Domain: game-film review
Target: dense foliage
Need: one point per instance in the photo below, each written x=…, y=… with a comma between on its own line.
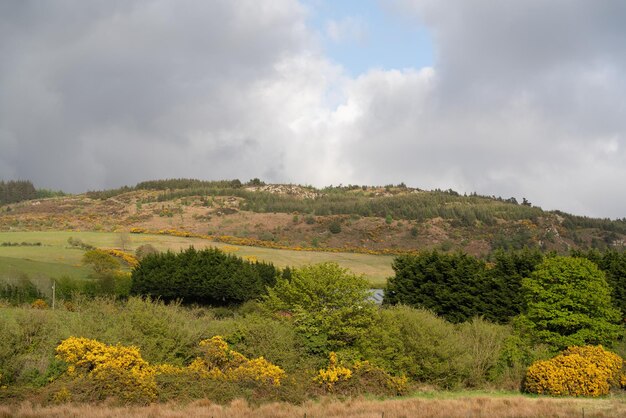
x=208, y=276
x=613, y=264
x=329, y=304
x=19, y=290
x=14, y=191
x=459, y=286
x=569, y=303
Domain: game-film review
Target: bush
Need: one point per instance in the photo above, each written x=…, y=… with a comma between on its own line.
x=110, y=371
x=577, y=371
x=418, y=343
x=20, y=290
x=39, y=304
x=330, y=306
x=334, y=227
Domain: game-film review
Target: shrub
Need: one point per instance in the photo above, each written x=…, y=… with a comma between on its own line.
x=334, y=373
x=330, y=306
x=334, y=227
x=420, y=344
x=101, y=371
x=19, y=290
x=39, y=304
x=363, y=377
x=577, y=371
x=217, y=360
x=114, y=371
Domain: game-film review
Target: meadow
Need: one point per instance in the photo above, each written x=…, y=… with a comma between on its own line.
x=55, y=257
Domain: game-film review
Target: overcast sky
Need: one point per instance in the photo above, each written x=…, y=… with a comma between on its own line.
x=506, y=98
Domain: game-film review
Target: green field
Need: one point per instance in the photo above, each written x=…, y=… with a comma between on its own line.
x=55, y=257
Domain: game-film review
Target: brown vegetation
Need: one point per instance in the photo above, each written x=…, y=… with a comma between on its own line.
x=223, y=216
x=469, y=406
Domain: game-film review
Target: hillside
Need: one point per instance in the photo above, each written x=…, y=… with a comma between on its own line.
x=386, y=220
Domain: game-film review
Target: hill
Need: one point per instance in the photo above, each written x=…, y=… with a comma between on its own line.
x=377, y=220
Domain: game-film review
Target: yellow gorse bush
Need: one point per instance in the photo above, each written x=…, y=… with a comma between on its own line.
x=577, y=371
x=120, y=371
x=333, y=373
x=219, y=361
x=128, y=258
x=396, y=384
x=116, y=370
x=39, y=304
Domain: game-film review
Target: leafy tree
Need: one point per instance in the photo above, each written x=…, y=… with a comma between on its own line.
x=569, y=303
x=108, y=278
x=144, y=250
x=613, y=264
x=124, y=240
x=101, y=262
x=330, y=305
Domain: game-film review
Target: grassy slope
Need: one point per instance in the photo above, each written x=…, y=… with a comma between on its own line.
x=55, y=257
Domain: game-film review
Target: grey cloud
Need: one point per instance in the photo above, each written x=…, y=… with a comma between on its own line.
x=87, y=85
x=526, y=99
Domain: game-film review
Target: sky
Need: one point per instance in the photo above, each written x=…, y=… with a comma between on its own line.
x=509, y=98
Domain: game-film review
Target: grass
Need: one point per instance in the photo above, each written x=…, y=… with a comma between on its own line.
x=55, y=257
x=13, y=267
x=463, y=406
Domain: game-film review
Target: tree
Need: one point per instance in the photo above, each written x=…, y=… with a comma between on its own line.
x=613, y=264
x=124, y=240
x=208, y=276
x=330, y=305
x=569, y=303
x=451, y=285
x=459, y=286
x=101, y=262
x=109, y=279
x=144, y=250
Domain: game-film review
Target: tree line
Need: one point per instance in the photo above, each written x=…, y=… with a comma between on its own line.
x=459, y=286
x=14, y=191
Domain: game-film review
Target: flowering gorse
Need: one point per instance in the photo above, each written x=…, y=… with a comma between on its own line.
x=333, y=373
x=219, y=361
x=115, y=370
x=577, y=371
x=120, y=371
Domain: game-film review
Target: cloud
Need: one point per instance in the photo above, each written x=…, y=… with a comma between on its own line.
x=524, y=98
x=346, y=30
x=104, y=93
